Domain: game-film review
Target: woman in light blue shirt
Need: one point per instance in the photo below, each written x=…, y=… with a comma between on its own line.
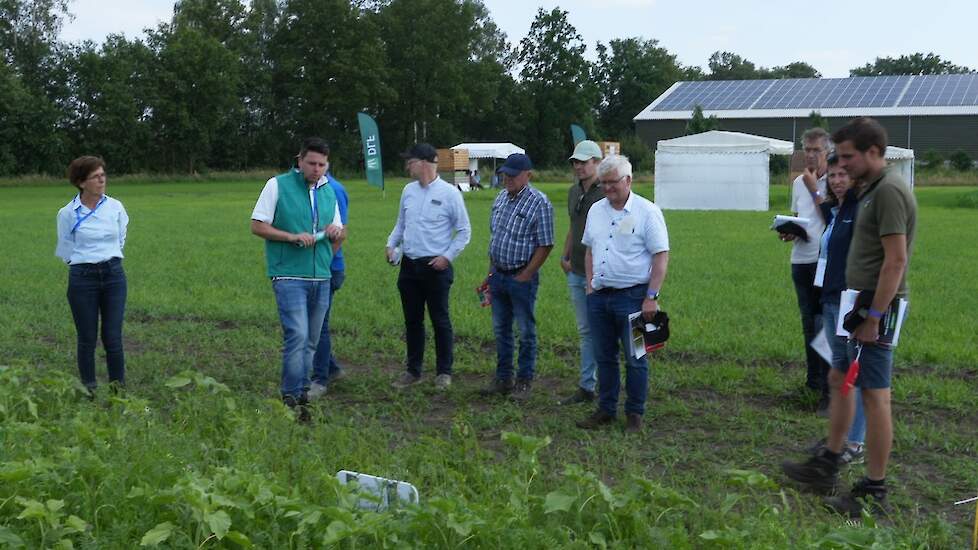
x=91, y=235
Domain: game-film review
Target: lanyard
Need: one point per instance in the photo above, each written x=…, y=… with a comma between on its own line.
x=79, y=218
x=315, y=209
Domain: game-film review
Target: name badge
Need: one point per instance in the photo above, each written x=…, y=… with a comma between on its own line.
x=436, y=202
x=820, y=272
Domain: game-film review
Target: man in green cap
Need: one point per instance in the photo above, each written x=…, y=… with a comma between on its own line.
x=581, y=195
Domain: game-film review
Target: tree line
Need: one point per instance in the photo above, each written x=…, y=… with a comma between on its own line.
x=230, y=85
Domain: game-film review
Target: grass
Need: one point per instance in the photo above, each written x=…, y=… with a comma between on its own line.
x=200, y=453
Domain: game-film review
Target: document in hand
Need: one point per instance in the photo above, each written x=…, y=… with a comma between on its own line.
x=648, y=337
x=791, y=225
x=854, y=306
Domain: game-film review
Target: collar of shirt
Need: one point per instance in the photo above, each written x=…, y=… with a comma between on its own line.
x=322, y=181
x=627, y=209
x=76, y=202
x=518, y=194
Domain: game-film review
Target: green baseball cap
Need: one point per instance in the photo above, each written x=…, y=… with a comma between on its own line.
x=585, y=151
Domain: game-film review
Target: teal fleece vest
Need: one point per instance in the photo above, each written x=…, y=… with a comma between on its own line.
x=293, y=213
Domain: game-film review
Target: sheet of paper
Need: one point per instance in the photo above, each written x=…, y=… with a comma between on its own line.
x=638, y=337
x=846, y=304
x=821, y=346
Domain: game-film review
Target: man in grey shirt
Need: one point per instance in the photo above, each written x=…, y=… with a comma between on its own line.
x=432, y=229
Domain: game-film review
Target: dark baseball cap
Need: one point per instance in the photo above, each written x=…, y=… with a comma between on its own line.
x=515, y=164
x=421, y=151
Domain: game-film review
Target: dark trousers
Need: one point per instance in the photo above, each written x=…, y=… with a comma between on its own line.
x=809, y=304
x=420, y=285
x=98, y=290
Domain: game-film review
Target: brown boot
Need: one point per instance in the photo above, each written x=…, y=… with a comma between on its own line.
x=597, y=419
x=633, y=423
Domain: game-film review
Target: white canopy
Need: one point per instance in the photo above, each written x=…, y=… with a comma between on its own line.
x=489, y=150
x=717, y=141
x=893, y=153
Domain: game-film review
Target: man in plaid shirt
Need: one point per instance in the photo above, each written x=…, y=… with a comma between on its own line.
x=521, y=229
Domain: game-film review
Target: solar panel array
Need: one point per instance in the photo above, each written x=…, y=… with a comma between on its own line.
x=824, y=93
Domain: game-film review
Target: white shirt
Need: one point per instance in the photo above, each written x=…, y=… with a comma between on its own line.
x=622, y=242
x=94, y=239
x=431, y=221
x=803, y=203
x=268, y=199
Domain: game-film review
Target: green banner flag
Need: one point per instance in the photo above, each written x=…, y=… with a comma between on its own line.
x=577, y=133
x=370, y=137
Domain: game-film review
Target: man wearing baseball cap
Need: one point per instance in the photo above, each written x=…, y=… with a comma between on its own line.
x=580, y=197
x=432, y=229
x=521, y=227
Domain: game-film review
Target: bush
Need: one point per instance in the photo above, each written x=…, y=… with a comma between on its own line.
x=638, y=152
x=961, y=161
x=932, y=160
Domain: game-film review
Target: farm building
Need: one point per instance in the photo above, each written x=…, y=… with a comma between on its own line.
x=920, y=112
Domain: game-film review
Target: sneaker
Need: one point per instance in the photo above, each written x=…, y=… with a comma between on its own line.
x=299, y=405
x=521, y=392
x=818, y=472
x=336, y=376
x=597, y=419
x=316, y=390
x=498, y=387
x=853, y=453
x=443, y=381
x=406, y=379
x=580, y=395
x=633, y=423
x=864, y=494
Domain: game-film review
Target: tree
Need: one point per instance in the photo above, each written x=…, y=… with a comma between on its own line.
x=556, y=76
x=816, y=120
x=634, y=71
x=961, y=161
x=730, y=66
x=798, y=69
x=916, y=63
x=698, y=123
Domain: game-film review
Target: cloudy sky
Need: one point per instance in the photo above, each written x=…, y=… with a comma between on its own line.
x=831, y=35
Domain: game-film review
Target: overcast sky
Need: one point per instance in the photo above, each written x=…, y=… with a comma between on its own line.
x=832, y=35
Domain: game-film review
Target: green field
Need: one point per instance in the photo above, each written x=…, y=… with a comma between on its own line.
x=200, y=453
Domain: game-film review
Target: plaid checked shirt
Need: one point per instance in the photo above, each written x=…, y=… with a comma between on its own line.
x=518, y=226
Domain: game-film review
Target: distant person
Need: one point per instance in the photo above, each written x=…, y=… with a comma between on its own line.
x=432, y=229
x=840, y=212
x=325, y=369
x=521, y=236
x=474, y=180
x=91, y=235
x=581, y=196
x=807, y=192
x=292, y=209
x=627, y=257
x=879, y=254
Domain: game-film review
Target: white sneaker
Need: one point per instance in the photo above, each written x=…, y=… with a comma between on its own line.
x=316, y=390
x=443, y=381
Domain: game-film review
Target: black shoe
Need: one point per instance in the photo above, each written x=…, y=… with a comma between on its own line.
x=864, y=494
x=818, y=472
x=597, y=419
x=521, y=391
x=581, y=395
x=633, y=423
x=299, y=405
x=498, y=387
x=817, y=447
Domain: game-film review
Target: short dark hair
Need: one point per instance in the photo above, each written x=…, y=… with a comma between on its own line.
x=833, y=159
x=316, y=145
x=82, y=167
x=864, y=132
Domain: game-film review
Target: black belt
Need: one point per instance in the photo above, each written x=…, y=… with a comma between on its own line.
x=617, y=290
x=106, y=263
x=513, y=271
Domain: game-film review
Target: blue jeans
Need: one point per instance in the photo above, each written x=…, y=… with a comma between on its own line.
x=324, y=362
x=94, y=290
x=512, y=299
x=577, y=284
x=803, y=276
x=302, y=307
x=608, y=312
x=840, y=361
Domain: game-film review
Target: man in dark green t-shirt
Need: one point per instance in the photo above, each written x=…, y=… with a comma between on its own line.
x=580, y=197
x=878, y=257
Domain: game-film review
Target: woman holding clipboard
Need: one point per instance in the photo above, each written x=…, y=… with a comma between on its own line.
x=91, y=236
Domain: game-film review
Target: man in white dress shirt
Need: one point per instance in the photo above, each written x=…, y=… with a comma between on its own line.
x=432, y=229
x=626, y=259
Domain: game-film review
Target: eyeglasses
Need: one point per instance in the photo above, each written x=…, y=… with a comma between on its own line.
x=97, y=176
x=611, y=183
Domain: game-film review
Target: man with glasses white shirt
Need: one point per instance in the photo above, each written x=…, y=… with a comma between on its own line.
x=626, y=259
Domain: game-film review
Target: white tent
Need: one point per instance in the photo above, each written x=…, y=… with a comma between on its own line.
x=715, y=170
x=901, y=160
x=488, y=151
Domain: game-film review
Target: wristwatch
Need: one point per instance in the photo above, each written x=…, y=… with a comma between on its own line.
x=652, y=295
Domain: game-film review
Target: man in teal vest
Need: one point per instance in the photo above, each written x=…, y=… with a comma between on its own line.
x=298, y=216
